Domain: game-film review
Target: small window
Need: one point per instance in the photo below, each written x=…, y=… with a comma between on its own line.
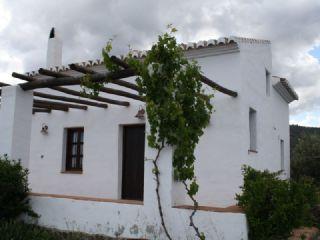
x=282, y=154
x=74, y=149
x=267, y=83
x=253, y=129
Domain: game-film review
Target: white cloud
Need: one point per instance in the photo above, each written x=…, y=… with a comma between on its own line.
x=85, y=26
x=5, y=17
x=307, y=119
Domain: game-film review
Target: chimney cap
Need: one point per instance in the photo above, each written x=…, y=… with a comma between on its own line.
x=52, y=34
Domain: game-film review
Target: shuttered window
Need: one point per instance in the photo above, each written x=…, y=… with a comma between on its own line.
x=74, y=149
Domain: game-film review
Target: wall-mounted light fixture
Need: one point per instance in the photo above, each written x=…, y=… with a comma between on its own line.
x=140, y=113
x=44, y=129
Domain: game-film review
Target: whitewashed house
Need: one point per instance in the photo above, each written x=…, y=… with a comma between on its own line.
x=89, y=168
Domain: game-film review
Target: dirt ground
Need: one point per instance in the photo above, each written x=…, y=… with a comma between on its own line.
x=305, y=234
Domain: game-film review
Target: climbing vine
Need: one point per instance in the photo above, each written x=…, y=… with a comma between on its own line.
x=178, y=110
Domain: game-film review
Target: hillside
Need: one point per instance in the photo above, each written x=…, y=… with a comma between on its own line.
x=297, y=131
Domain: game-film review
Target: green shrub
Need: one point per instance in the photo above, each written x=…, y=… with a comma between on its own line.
x=13, y=189
x=275, y=207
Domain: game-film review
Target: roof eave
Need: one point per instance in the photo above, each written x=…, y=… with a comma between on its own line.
x=285, y=90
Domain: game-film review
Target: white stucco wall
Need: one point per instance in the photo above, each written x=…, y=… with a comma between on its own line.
x=102, y=160
x=223, y=149
x=15, y=122
x=139, y=221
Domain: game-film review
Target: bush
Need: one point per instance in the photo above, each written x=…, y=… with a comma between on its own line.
x=275, y=207
x=13, y=189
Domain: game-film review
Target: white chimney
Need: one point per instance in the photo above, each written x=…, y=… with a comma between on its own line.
x=54, y=52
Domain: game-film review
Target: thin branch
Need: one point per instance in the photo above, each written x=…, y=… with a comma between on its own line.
x=195, y=208
x=157, y=173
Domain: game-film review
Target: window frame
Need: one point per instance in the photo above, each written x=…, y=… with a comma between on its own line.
x=69, y=146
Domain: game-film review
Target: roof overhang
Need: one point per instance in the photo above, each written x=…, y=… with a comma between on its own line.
x=283, y=87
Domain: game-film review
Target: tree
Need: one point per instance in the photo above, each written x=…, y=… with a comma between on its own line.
x=306, y=158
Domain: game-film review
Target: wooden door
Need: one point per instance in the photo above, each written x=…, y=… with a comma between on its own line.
x=133, y=162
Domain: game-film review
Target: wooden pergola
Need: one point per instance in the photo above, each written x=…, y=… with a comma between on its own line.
x=58, y=81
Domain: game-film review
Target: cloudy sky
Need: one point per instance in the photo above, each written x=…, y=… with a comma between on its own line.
x=293, y=26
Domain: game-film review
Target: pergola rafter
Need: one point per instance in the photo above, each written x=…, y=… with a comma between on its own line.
x=68, y=99
x=54, y=103
x=50, y=107
x=43, y=110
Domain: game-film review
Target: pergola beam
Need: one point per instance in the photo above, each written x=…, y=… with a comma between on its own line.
x=69, y=81
x=53, y=103
x=102, y=89
x=69, y=91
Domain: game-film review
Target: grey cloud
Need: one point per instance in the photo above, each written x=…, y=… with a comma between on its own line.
x=85, y=26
